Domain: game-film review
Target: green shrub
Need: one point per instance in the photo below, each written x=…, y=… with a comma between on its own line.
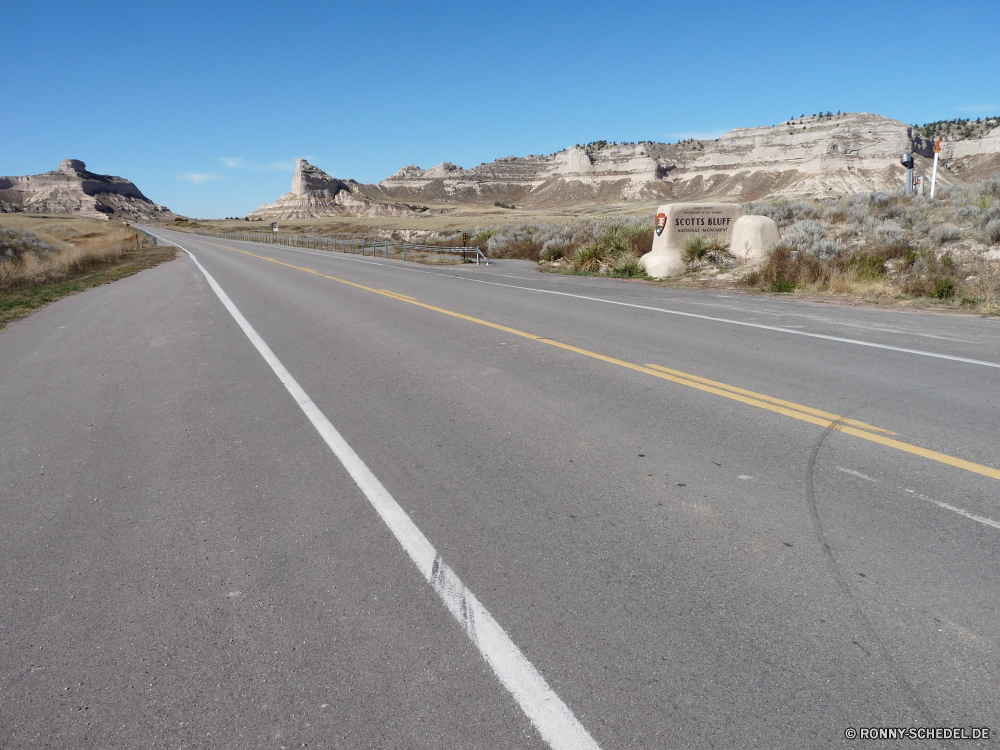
x=483, y=235
x=867, y=266
x=615, y=239
x=782, y=285
x=629, y=267
x=695, y=250
x=944, y=288
x=589, y=258
x=551, y=252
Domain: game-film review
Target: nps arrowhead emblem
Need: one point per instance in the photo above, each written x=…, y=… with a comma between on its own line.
x=661, y=222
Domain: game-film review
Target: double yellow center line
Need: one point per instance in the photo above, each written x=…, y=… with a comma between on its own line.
x=787, y=408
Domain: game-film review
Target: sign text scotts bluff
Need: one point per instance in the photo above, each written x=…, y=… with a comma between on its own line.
x=676, y=222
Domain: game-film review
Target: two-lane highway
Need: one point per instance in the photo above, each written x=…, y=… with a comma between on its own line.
x=267, y=497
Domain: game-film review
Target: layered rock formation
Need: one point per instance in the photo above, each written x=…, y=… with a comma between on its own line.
x=810, y=157
x=611, y=174
x=316, y=194
x=802, y=158
x=974, y=159
x=71, y=189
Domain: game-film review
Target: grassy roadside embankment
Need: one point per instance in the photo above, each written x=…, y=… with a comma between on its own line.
x=45, y=259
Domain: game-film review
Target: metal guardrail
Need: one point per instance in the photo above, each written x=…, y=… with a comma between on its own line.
x=147, y=234
x=352, y=245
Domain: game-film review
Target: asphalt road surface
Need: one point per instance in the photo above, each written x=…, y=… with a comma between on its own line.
x=262, y=497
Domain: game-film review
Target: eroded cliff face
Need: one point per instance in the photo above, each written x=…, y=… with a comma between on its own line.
x=811, y=157
x=316, y=194
x=613, y=173
x=807, y=158
x=974, y=159
x=71, y=189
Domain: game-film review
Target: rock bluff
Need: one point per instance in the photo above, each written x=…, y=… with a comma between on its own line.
x=316, y=194
x=811, y=157
x=71, y=189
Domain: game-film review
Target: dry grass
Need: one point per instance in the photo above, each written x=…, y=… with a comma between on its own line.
x=60, y=256
x=70, y=246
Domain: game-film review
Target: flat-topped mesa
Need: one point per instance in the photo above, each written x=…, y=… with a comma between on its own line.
x=316, y=194
x=71, y=189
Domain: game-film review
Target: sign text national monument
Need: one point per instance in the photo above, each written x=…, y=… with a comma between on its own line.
x=676, y=222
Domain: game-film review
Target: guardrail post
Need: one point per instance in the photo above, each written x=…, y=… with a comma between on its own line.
x=404, y=250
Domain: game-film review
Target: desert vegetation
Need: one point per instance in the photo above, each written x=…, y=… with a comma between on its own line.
x=889, y=245
x=606, y=247
x=44, y=250
x=879, y=246
x=43, y=259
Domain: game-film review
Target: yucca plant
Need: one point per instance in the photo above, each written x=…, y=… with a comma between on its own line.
x=695, y=250
x=718, y=251
x=628, y=267
x=589, y=258
x=615, y=239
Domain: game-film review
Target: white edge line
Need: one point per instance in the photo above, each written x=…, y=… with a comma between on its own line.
x=552, y=718
x=939, y=503
x=858, y=474
x=841, y=339
x=954, y=509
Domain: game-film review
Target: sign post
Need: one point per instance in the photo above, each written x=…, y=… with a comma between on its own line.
x=937, y=151
x=907, y=161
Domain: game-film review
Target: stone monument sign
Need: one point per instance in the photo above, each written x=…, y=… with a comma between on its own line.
x=753, y=237
x=675, y=222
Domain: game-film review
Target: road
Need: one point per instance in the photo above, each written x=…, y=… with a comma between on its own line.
x=267, y=497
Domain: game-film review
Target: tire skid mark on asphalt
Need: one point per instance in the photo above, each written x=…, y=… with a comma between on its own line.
x=847, y=588
x=805, y=414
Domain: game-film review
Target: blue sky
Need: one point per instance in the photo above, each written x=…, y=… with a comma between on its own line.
x=206, y=105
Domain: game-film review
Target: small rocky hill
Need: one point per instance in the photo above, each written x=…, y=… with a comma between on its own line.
x=72, y=190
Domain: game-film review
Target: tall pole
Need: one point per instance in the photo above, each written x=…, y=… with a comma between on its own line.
x=937, y=151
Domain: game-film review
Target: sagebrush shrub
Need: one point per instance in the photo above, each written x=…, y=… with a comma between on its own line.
x=992, y=232
x=945, y=233
x=14, y=244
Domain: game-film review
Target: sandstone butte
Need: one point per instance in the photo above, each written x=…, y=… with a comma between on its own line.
x=71, y=189
x=808, y=158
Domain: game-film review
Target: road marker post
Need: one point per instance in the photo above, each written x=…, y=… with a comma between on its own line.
x=937, y=152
